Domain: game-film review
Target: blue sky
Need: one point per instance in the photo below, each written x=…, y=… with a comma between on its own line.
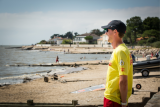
x=25, y=22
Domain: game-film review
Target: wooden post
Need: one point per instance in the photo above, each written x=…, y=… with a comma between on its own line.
x=46, y=79
x=158, y=89
x=74, y=102
x=29, y=102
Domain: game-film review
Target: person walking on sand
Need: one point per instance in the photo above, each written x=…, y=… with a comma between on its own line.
x=157, y=55
x=57, y=59
x=151, y=54
x=119, y=78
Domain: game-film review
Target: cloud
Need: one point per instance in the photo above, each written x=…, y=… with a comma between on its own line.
x=30, y=28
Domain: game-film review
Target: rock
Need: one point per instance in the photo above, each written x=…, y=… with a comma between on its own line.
x=46, y=79
x=26, y=80
x=55, y=76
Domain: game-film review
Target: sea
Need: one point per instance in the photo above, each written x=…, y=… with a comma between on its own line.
x=15, y=74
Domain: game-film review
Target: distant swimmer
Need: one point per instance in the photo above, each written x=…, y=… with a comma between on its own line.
x=57, y=59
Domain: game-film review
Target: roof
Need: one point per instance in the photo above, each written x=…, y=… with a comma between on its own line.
x=63, y=39
x=138, y=39
x=141, y=38
x=100, y=39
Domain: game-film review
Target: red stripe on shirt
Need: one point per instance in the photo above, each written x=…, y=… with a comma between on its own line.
x=122, y=69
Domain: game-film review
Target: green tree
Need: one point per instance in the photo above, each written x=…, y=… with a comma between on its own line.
x=66, y=41
x=89, y=38
x=96, y=31
x=43, y=42
x=128, y=35
x=151, y=40
x=151, y=33
x=69, y=35
x=75, y=33
x=151, y=23
x=135, y=25
x=156, y=44
x=54, y=35
x=61, y=36
x=142, y=42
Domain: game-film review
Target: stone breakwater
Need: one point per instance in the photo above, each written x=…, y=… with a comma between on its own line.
x=141, y=51
x=146, y=51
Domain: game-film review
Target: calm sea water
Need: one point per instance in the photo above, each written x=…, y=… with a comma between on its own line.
x=13, y=74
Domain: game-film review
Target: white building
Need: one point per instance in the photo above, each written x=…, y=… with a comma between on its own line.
x=103, y=40
x=81, y=38
x=54, y=40
x=59, y=41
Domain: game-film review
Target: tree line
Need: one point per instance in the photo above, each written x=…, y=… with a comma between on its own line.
x=71, y=36
x=148, y=30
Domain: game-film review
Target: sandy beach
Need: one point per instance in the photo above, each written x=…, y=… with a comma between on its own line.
x=55, y=91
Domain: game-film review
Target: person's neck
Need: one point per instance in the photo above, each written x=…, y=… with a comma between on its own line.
x=115, y=44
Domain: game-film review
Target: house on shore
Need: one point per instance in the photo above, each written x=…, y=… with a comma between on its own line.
x=103, y=40
x=81, y=38
x=56, y=40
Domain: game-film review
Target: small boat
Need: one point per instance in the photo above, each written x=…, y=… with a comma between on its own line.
x=146, y=66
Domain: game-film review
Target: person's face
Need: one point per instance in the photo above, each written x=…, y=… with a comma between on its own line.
x=110, y=34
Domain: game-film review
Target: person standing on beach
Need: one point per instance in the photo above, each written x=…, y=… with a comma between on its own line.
x=151, y=54
x=157, y=55
x=57, y=59
x=119, y=80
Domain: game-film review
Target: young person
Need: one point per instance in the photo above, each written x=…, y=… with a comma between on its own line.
x=120, y=69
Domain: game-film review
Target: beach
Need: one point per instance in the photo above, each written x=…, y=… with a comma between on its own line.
x=88, y=75
x=59, y=91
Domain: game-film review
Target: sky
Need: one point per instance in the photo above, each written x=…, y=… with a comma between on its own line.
x=26, y=22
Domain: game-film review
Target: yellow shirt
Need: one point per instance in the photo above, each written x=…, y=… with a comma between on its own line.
x=120, y=64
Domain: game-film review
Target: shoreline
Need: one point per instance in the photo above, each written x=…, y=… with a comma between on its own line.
x=72, y=68
x=91, y=50
x=47, y=73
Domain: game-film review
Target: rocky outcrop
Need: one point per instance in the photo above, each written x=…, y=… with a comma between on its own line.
x=146, y=51
x=40, y=47
x=34, y=47
x=27, y=47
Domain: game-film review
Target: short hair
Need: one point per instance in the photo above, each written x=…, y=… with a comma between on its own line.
x=121, y=35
